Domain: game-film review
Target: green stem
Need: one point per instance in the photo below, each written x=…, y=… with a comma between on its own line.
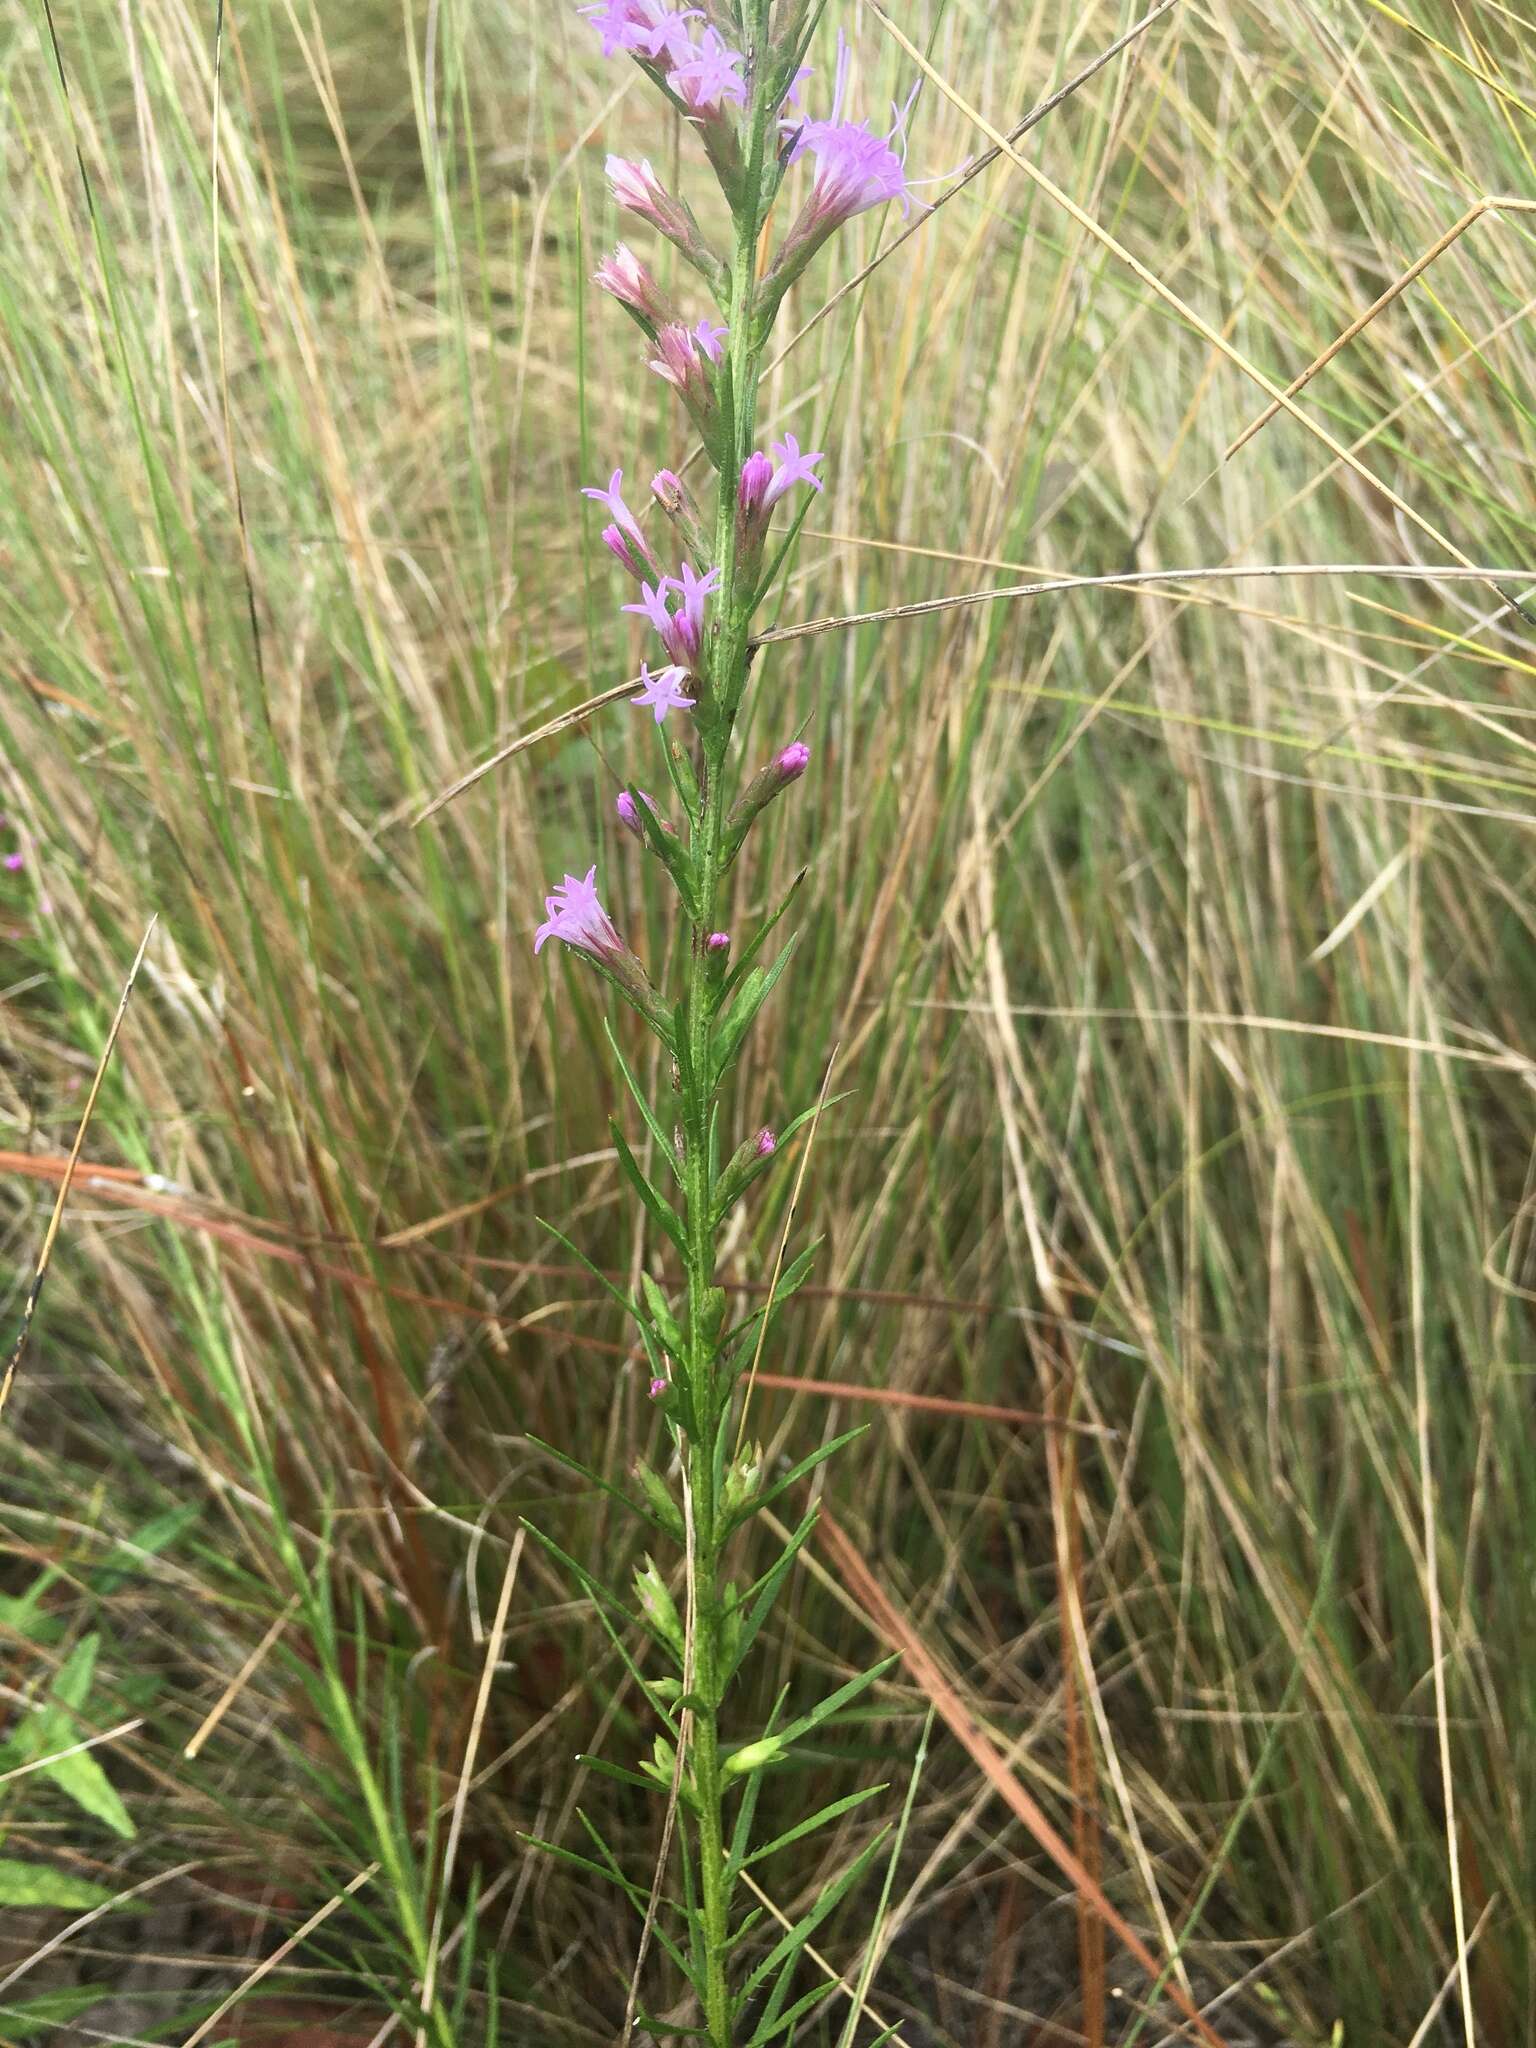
x=727, y=679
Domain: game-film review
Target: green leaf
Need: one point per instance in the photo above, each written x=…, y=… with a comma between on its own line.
x=792, y=1278
x=603, y=1485
x=39, y=1884
x=733, y=1027
x=133, y=1553
x=602, y=1600
x=667, y=1326
x=796, y=1472
x=807, y=1827
x=616, y=1293
x=653, y=1122
x=59, y=1726
x=659, y=1209
x=762, y=1596
x=670, y=851
x=835, y=1702
x=797, y=2011
x=39, y=2019
x=786, y=1949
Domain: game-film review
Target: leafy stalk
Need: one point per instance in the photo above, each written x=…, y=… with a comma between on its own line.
x=693, y=1355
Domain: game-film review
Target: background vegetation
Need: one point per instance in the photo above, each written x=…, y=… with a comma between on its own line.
x=1176, y=940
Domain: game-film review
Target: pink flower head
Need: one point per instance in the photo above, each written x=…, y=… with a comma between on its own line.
x=624, y=276
x=791, y=468
x=611, y=494
x=682, y=631
x=708, y=338
x=658, y=1387
x=756, y=476
x=637, y=186
x=792, y=762
x=648, y=28
x=663, y=691
x=708, y=77
x=577, y=919
x=630, y=557
x=718, y=942
x=767, y=1144
x=15, y=862
x=629, y=812
x=855, y=168
x=680, y=364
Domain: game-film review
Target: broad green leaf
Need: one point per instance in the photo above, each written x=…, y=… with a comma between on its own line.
x=133, y=1553
x=59, y=1727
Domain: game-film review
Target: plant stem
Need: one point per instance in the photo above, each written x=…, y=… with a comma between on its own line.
x=727, y=679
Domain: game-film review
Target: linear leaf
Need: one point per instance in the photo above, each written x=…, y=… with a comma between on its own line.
x=658, y=1207
x=797, y=1472
x=807, y=1827
x=792, y=1943
x=653, y=1122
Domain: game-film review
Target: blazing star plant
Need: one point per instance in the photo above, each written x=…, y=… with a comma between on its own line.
x=733, y=70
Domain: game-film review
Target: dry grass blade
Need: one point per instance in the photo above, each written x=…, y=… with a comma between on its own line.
x=1138, y=579
x=972, y=171
x=576, y=716
x=1393, y=291
x=34, y=1292
x=890, y=1623
x=1186, y=312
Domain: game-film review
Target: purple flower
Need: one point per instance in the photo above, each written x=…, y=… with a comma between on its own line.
x=791, y=764
x=680, y=363
x=658, y=1387
x=756, y=476
x=682, y=631
x=14, y=862
x=611, y=494
x=707, y=338
x=624, y=276
x=647, y=27
x=629, y=811
x=718, y=942
x=663, y=691
x=577, y=919
x=767, y=1144
x=707, y=77
x=637, y=187
x=855, y=169
x=787, y=766
x=791, y=468
x=620, y=545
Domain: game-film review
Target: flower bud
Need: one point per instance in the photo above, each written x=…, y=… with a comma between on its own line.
x=627, y=279
x=718, y=942
x=765, y=1144
x=787, y=766
x=637, y=187
x=681, y=507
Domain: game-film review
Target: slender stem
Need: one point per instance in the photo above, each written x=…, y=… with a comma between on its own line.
x=727, y=678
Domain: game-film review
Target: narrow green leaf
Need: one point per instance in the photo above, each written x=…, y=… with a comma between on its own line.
x=748, y=1000
x=602, y=1601
x=657, y=1207
x=653, y=1122
x=797, y=1472
x=775, y=2026
x=763, y=1595
x=39, y=1884
x=791, y=1943
x=834, y=1702
x=616, y=1293
x=817, y=1820
x=603, y=1485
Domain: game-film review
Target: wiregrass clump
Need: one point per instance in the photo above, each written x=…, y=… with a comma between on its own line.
x=743, y=105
